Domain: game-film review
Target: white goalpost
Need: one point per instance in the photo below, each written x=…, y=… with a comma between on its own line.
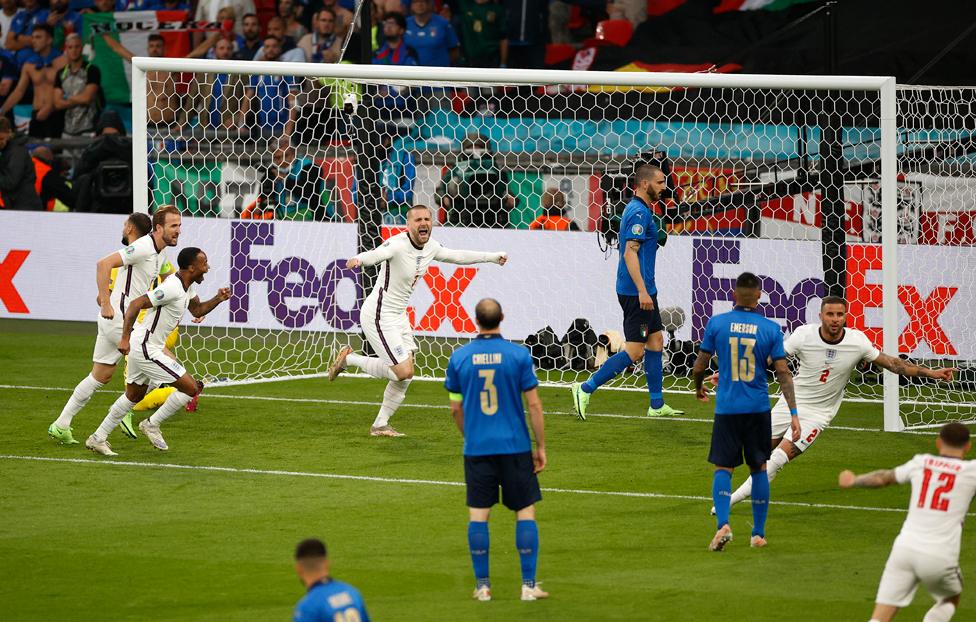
x=806, y=180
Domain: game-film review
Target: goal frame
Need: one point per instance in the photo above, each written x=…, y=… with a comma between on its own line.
x=885, y=86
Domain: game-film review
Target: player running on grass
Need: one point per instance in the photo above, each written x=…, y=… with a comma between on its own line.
x=828, y=354
x=141, y=261
x=148, y=362
x=405, y=258
x=927, y=549
x=640, y=236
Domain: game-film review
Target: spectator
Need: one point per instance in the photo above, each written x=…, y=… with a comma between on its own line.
x=38, y=73
x=8, y=75
x=634, y=11
x=431, y=36
x=63, y=20
x=218, y=102
x=474, y=193
x=275, y=95
x=287, y=12
x=162, y=98
x=289, y=51
x=292, y=189
x=322, y=45
x=484, y=33
x=527, y=33
x=49, y=183
x=251, y=31
x=344, y=16
x=22, y=25
x=16, y=171
x=394, y=51
x=553, y=216
x=8, y=10
x=209, y=10
x=103, y=174
x=77, y=91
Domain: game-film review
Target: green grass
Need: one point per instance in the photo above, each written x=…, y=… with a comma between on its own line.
x=94, y=541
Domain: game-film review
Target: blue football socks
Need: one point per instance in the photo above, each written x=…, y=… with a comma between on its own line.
x=760, y=502
x=478, y=544
x=722, y=496
x=527, y=542
x=608, y=371
x=654, y=370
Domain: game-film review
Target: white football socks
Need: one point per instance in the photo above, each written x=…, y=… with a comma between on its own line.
x=393, y=396
x=79, y=397
x=173, y=403
x=115, y=413
x=940, y=612
x=375, y=367
x=777, y=461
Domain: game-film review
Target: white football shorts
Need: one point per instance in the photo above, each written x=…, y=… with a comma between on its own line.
x=157, y=369
x=391, y=338
x=907, y=568
x=812, y=423
x=107, y=341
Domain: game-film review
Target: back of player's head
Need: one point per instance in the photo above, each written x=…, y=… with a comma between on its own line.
x=747, y=289
x=488, y=313
x=141, y=222
x=310, y=552
x=160, y=215
x=187, y=257
x=955, y=435
x=832, y=300
x=646, y=173
x=747, y=281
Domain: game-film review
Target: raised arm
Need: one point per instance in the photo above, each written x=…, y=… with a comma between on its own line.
x=131, y=313
x=906, y=368
x=200, y=309
x=117, y=47
x=463, y=258
x=538, y=428
x=103, y=274
x=785, y=379
x=371, y=258
x=874, y=479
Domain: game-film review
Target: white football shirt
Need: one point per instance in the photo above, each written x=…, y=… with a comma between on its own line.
x=141, y=263
x=404, y=264
x=169, y=302
x=826, y=368
x=942, y=489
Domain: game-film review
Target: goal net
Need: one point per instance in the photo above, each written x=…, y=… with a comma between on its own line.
x=286, y=173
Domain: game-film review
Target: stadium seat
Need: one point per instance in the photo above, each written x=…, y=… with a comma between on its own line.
x=614, y=31
x=559, y=53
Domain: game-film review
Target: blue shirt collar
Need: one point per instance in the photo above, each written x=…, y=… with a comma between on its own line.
x=490, y=336
x=747, y=309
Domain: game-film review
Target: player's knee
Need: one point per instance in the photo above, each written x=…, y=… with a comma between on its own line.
x=103, y=373
x=187, y=385
x=404, y=374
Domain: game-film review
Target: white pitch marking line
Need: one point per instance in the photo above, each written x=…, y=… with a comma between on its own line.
x=423, y=482
x=311, y=400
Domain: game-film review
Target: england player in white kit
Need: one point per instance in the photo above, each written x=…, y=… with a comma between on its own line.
x=927, y=549
x=404, y=258
x=141, y=261
x=148, y=361
x=827, y=353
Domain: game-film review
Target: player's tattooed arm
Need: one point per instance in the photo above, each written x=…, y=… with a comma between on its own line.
x=785, y=379
x=698, y=373
x=902, y=367
x=874, y=479
x=131, y=314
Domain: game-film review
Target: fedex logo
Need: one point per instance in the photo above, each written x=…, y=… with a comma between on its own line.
x=707, y=289
x=9, y=295
x=288, y=279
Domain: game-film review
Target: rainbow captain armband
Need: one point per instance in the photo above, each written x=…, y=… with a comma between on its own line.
x=793, y=413
x=455, y=397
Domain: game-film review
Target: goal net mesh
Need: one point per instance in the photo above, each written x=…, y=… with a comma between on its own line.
x=289, y=176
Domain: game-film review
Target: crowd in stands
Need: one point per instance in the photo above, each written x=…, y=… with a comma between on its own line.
x=44, y=63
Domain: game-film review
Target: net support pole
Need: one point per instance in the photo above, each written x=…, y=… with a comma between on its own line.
x=140, y=149
x=889, y=247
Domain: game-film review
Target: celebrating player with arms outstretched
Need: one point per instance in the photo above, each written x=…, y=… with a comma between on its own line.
x=927, y=549
x=147, y=361
x=827, y=354
x=138, y=264
x=405, y=258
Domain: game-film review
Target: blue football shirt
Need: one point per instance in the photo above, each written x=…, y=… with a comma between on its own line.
x=491, y=373
x=272, y=95
x=743, y=340
x=637, y=223
x=326, y=599
x=432, y=42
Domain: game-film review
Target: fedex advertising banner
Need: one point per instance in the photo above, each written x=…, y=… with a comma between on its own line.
x=292, y=276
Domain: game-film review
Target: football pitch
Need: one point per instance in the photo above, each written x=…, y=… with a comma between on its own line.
x=206, y=531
